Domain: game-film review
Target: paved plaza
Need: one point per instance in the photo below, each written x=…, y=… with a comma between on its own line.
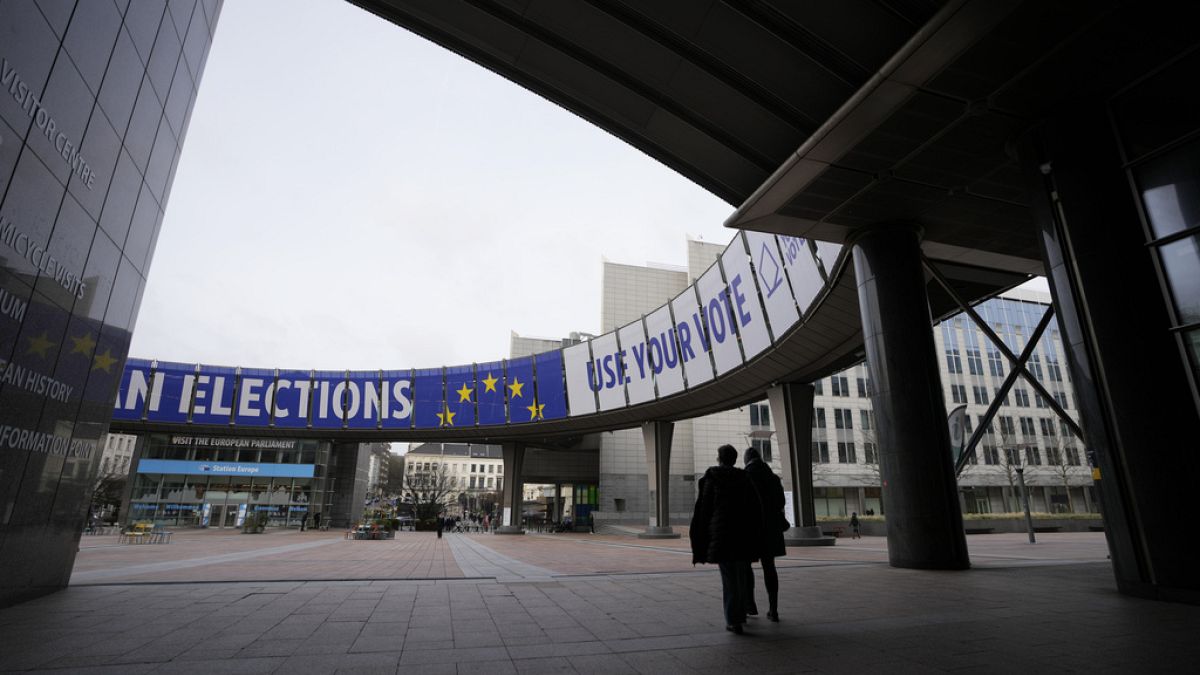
x=313, y=602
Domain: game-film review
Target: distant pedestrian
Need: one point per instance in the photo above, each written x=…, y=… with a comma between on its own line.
x=317, y=520
x=725, y=530
x=770, y=498
x=441, y=524
x=854, y=526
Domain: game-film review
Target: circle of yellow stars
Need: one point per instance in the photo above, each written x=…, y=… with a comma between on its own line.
x=516, y=389
x=42, y=346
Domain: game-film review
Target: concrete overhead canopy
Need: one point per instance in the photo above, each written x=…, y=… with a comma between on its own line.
x=818, y=118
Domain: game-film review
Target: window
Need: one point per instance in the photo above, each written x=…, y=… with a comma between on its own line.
x=490, y=483
x=763, y=445
x=959, y=393
x=870, y=453
x=473, y=468
x=1027, y=426
x=491, y=469
x=991, y=455
x=981, y=395
x=1006, y=426
x=974, y=362
x=818, y=387
x=1033, y=456
x=1073, y=456
x=866, y=419
x=818, y=418
x=1061, y=397
x=1054, y=456
x=953, y=362
x=1035, y=363
x=1041, y=402
x=842, y=418
x=1022, y=397
x=1012, y=457
x=820, y=452
x=472, y=482
x=996, y=394
x=1047, y=427
x=841, y=386
x=862, y=387
x=760, y=415
x=1066, y=430
x=995, y=365
x=846, y=454
x=1053, y=370
x=967, y=423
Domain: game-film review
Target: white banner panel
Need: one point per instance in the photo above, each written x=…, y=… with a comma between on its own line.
x=693, y=342
x=639, y=379
x=719, y=316
x=604, y=368
x=828, y=253
x=747, y=310
x=772, y=282
x=802, y=270
x=663, y=353
x=580, y=394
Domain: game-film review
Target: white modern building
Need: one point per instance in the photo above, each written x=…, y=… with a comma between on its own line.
x=118, y=453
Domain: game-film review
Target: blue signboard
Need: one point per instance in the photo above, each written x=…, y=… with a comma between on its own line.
x=429, y=400
x=490, y=378
x=397, y=399
x=293, y=392
x=213, y=402
x=522, y=399
x=460, y=395
x=134, y=390
x=551, y=392
x=174, y=383
x=329, y=392
x=254, y=469
x=363, y=402
x=256, y=388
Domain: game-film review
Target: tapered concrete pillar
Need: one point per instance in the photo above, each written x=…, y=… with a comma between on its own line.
x=514, y=487
x=791, y=408
x=658, y=436
x=920, y=494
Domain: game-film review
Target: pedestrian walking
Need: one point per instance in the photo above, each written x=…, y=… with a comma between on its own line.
x=725, y=531
x=769, y=489
x=854, y=526
x=441, y=524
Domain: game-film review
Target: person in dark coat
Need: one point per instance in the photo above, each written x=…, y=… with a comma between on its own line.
x=769, y=489
x=725, y=530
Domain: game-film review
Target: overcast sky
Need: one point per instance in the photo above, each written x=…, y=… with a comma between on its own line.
x=352, y=196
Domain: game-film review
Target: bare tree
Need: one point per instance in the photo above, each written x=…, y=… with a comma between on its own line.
x=428, y=490
x=1056, y=459
x=106, y=494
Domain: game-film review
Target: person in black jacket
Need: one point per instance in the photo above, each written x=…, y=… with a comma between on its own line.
x=770, y=498
x=725, y=530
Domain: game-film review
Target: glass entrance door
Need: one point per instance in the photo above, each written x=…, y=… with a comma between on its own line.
x=217, y=517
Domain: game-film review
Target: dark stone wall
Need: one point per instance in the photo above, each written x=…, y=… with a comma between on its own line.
x=95, y=98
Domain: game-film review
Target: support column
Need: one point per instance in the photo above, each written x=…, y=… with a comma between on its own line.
x=657, y=437
x=557, y=503
x=920, y=495
x=514, y=488
x=792, y=409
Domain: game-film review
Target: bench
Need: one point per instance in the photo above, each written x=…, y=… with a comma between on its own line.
x=980, y=530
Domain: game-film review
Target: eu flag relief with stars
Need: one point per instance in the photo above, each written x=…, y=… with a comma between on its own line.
x=490, y=392
x=551, y=388
x=460, y=396
x=522, y=400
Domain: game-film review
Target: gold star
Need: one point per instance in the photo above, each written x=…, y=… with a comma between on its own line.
x=464, y=394
x=515, y=388
x=446, y=418
x=489, y=384
x=83, y=344
x=104, y=361
x=40, y=345
x=535, y=410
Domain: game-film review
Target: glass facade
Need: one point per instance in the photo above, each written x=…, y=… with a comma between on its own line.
x=200, y=499
x=94, y=106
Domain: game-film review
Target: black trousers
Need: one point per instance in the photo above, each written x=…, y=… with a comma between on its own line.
x=736, y=590
x=770, y=580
